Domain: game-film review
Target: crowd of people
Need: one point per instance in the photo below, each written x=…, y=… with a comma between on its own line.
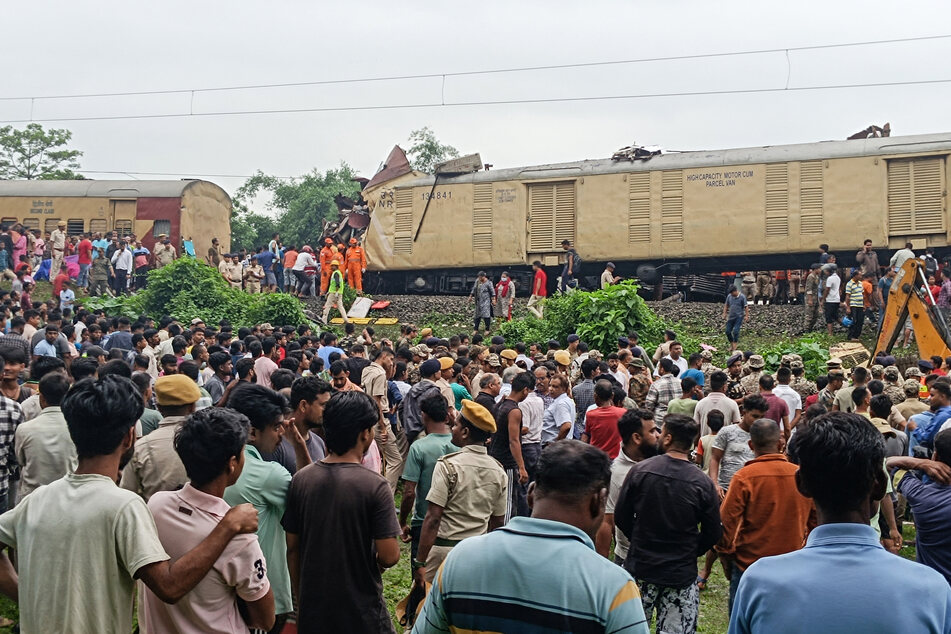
x=232, y=479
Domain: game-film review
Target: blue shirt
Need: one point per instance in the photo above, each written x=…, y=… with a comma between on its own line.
x=924, y=435
x=44, y=349
x=324, y=353
x=694, y=374
x=96, y=245
x=842, y=581
x=931, y=504
x=265, y=259
x=532, y=593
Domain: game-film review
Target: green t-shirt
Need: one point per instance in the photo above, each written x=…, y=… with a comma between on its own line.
x=460, y=392
x=150, y=420
x=420, y=463
x=265, y=484
x=685, y=406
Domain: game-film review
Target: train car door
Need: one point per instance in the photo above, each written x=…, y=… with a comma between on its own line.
x=123, y=215
x=551, y=219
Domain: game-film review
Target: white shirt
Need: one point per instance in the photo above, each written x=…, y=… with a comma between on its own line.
x=619, y=468
x=533, y=412
x=716, y=401
x=304, y=259
x=122, y=260
x=900, y=256
x=791, y=397
x=561, y=411
x=680, y=363
x=528, y=362
x=832, y=289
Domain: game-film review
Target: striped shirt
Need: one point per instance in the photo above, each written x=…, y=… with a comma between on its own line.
x=497, y=583
x=854, y=293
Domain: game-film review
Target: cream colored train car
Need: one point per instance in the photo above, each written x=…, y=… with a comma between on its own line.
x=192, y=210
x=763, y=207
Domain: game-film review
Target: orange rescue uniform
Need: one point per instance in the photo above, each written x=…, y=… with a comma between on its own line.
x=326, y=255
x=356, y=262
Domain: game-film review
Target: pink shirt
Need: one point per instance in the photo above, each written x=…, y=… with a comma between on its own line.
x=372, y=460
x=183, y=519
x=263, y=369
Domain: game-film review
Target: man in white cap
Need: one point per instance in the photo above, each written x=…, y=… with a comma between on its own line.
x=608, y=277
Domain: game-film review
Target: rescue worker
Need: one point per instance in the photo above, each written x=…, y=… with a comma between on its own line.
x=467, y=496
x=356, y=265
x=893, y=387
x=707, y=367
x=812, y=298
x=326, y=255
x=58, y=240
x=335, y=286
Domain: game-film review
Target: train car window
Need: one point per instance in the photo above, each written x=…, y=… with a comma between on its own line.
x=160, y=227
x=9, y=221
x=75, y=226
x=49, y=225
x=98, y=225
x=31, y=223
x=123, y=228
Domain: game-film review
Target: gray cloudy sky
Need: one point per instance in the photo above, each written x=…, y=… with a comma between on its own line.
x=69, y=47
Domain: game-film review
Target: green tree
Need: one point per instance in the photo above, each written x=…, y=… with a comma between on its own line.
x=249, y=230
x=426, y=152
x=35, y=153
x=302, y=204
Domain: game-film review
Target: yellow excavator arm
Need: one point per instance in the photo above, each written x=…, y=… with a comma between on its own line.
x=910, y=298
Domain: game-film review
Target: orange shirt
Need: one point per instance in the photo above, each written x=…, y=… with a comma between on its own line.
x=763, y=514
x=290, y=258
x=867, y=290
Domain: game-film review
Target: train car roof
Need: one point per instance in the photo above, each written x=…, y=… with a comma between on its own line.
x=97, y=189
x=710, y=158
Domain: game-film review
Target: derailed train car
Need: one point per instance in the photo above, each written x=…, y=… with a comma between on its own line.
x=702, y=212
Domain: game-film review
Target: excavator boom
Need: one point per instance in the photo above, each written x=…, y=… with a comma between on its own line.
x=910, y=299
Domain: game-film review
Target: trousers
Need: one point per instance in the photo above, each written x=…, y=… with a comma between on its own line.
x=335, y=300
x=810, y=313
x=538, y=300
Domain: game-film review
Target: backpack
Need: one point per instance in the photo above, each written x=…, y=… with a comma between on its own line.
x=577, y=262
x=931, y=265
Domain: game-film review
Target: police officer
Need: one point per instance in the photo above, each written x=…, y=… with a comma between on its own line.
x=468, y=492
x=640, y=381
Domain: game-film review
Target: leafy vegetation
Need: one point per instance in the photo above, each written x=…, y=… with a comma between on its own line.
x=299, y=206
x=426, y=152
x=813, y=349
x=36, y=153
x=598, y=317
x=187, y=288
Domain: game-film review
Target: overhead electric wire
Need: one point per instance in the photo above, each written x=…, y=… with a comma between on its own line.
x=489, y=102
x=517, y=69
x=134, y=173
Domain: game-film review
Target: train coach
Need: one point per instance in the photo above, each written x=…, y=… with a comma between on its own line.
x=668, y=214
x=192, y=210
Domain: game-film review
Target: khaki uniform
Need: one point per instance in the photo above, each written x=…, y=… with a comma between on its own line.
x=749, y=284
x=750, y=383
x=155, y=465
x=764, y=285
x=471, y=487
x=812, y=301
x=164, y=254
x=252, y=278
x=803, y=387
x=894, y=392
x=446, y=390
x=58, y=240
x=795, y=281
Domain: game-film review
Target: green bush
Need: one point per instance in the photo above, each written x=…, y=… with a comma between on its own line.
x=812, y=348
x=187, y=288
x=598, y=317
